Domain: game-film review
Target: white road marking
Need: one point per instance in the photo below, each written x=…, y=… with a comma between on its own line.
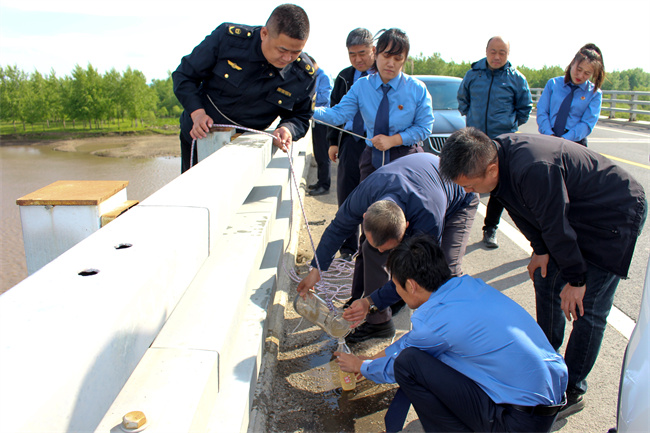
x=617, y=319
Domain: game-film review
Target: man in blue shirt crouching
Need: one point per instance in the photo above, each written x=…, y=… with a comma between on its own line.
x=474, y=360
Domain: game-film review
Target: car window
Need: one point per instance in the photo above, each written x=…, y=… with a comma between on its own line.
x=443, y=94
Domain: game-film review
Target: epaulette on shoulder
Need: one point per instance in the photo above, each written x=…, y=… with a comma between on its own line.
x=305, y=64
x=240, y=31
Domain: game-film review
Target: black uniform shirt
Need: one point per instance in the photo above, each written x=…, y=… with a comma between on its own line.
x=230, y=67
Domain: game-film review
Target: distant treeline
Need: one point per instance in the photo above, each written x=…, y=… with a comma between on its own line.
x=630, y=79
x=87, y=97
x=94, y=99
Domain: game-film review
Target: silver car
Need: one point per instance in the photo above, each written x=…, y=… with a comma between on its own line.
x=448, y=119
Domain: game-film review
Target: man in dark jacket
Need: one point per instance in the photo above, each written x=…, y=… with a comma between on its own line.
x=496, y=99
x=346, y=147
x=248, y=76
x=582, y=215
x=398, y=200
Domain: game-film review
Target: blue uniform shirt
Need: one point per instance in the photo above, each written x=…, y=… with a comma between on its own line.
x=500, y=347
x=583, y=114
x=410, y=111
x=349, y=124
x=323, y=88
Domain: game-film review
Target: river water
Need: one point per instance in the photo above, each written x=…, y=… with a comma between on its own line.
x=24, y=169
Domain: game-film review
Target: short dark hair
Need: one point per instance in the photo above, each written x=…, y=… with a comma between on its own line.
x=385, y=221
x=395, y=39
x=290, y=20
x=359, y=36
x=590, y=53
x=467, y=152
x=421, y=259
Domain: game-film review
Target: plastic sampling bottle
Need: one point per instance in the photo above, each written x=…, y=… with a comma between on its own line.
x=315, y=309
x=348, y=380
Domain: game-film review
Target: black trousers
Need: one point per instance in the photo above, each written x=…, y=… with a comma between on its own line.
x=447, y=401
x=348, y=177
x=320, y=147
x=492, y=214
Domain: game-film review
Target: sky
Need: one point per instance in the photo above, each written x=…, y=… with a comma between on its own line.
x=152, y=35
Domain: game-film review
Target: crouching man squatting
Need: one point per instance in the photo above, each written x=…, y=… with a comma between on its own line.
x=463, y=366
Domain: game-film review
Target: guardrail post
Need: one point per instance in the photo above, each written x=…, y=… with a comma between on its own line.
x=632, y=107
x=612, y=105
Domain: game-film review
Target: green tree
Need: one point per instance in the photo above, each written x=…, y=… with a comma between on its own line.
x=36, y=107
x=81, y=96
x=13, y=95
x=167, y=104
x=112, y=84
x=54, y=95
x=136, y=96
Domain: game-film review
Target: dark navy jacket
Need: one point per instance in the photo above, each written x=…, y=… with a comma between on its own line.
x=570, y=202
x=230, y=67
x=414, y=184
x=494, y=101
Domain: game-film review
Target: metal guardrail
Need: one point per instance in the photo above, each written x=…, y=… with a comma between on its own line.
x=633, y=102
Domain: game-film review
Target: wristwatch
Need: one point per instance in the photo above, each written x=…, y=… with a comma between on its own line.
x=373, y=308
x=580, y=283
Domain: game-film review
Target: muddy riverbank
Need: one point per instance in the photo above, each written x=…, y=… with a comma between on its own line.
x=113, y=146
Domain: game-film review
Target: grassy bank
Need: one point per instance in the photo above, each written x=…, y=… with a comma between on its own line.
x=18, y=132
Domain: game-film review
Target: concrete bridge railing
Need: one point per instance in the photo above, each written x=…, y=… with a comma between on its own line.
x=173, y=325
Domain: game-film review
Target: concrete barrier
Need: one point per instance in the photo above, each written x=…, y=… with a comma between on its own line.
x=172, y=325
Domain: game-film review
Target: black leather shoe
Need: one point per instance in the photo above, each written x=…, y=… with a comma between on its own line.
x=575, y=402
x=319, y=191
x=366, y=331
x=490, y=238
x=346, y=256
x=312, y=186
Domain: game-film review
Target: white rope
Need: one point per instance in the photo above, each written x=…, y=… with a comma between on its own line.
x=332, y=284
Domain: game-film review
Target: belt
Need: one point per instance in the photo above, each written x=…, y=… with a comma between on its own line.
x=539, y=410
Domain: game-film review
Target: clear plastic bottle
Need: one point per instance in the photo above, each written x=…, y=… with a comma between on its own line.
x=348, y=380
x=315, y=309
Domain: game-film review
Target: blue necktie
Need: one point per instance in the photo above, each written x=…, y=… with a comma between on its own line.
x=357, y=124
x=563, y=113
x=380, y=158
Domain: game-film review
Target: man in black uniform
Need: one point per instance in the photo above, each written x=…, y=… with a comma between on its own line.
x=347, y=147
x=248, y=76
